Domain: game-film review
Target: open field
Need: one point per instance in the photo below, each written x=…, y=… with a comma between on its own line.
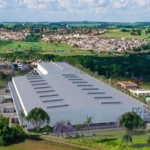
x=34, y=145
x=20, y=45
x=116, y=33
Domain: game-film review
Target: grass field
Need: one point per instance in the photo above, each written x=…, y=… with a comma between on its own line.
x=20, y=45
x=34, y=145
x=116, y=33
x=112, y=141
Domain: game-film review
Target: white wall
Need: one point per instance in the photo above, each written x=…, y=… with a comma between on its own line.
x=19, y=97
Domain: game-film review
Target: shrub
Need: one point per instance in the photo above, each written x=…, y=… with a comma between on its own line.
x=148, y=140
x=126, y=139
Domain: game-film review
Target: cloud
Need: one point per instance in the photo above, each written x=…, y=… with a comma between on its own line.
x=79, y=8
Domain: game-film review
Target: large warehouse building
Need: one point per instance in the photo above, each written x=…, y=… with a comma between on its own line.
x=66, y=93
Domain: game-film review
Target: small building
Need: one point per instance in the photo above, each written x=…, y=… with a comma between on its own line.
x=140, y=92
x=128, y=85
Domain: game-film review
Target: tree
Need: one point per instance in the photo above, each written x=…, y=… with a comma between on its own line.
x=61, y=127
x=130, y=121
x=88, y=122
x=47, y=129
x=5, y=131
x=38, y=117
x=22, y=116
x=79, y=127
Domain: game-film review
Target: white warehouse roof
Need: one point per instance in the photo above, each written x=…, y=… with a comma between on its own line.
x=70, y=94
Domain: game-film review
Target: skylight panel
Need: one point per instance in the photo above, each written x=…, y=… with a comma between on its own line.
x=103, y=97
x=95, y=92
x=110, y=102
x=90, y=89
x=58, y=106
x=35, y=78
x=79, y=82
x=34, y=81
x=42, y=87
x=71, y=76
x=68, y=74
x=45, y=91
x=39, y=84
x=52, y=100
x=77, y=79
x=84, y=85
x=50, y=95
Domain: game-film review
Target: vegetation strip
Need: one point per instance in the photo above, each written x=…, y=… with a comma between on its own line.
x=68, y=145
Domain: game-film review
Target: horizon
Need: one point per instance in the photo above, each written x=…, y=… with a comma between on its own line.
x=74, y=10
x=71, y=21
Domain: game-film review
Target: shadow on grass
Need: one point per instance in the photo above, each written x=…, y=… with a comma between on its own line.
x=140, y=145
x=105, y=140
x=22, y=139
x=16, y=141
x=35, y=137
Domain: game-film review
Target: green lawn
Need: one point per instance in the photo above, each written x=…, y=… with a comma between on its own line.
x=21, y=45
x=34, y=145
x=116, y=33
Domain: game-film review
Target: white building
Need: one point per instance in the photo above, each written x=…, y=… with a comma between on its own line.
x=142, y=92
x=66, y=93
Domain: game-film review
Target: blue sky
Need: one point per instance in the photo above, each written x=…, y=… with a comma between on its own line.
x=75, y=10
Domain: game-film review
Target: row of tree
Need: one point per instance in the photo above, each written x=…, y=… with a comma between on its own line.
x=109, y=66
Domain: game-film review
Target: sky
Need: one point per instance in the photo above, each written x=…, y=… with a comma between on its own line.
x=75, y=10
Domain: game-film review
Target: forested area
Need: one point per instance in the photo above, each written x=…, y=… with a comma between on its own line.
x=137, y=66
